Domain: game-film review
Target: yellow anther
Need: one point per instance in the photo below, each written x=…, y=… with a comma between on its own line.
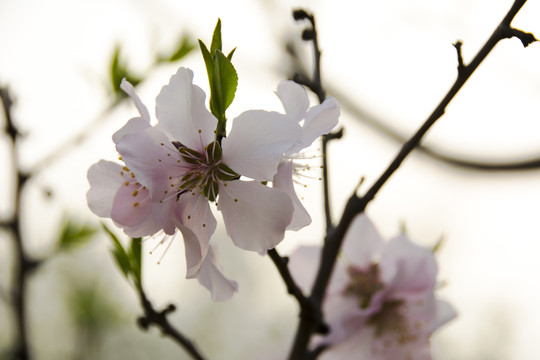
x=135, y=193
x=135, y=204
x=126, y=183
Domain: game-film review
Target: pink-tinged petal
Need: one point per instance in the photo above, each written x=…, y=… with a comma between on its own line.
x=283, y=181
x=130, y=90
x=131, y=205
x=147, y=227
x=445, y=313
x=182, y=114
x=105, y=178
x=132, y=126
x=358, y=346
x=303, y=264
x=255, y=215
x=294, y=99
x=164, y=213
x=156, y=163
x=257, y=142
x=362, y=242
x=194, y=213
x=320, y=120
x=194, y=257
x=211, y=277
x=410, y=267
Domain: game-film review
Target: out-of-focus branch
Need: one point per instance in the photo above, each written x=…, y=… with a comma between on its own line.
x=357, y=205
x=23, y=265
x=159, y=319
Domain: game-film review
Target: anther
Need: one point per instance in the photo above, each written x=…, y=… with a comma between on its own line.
x=135, y=193
x=135, y=204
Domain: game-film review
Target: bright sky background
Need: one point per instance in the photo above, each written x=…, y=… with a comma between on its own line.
x=392, y=58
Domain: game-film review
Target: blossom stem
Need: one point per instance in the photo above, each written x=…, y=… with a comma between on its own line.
x=357, y=205
x=160, y=320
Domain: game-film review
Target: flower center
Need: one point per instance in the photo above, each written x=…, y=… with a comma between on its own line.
x=205, y=170
x=363, y=284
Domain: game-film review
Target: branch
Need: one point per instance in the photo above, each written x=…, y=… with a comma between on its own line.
x=315, y=85
x=160, y=320
x=357, y=205
x=23, y=266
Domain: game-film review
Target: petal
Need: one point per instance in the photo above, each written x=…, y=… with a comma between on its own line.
x=303, y=264
x=211, y=277
x=257, y=142
x=147, y=227
x=131, y=205
x=156, y=163
x=132, y=126
x=255, y=215
x=294, y=99
x=182, y=114
x=130, y=90
x=362, y=242
x=194, y=213
x=283, y=181
x=445, y=313
x=413, y=267
x=320, y=120
x=105, y=178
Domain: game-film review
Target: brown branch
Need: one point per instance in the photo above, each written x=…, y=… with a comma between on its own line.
x=159, y=319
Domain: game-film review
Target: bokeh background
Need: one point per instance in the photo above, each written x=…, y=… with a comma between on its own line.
x=389, y=62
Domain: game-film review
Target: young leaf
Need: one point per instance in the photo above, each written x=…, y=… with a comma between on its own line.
x=228, y=79
x=74, y=234
x=185, y=46
x=119, y=254
x=135, y=256
x=118, y=71
x=216, y=38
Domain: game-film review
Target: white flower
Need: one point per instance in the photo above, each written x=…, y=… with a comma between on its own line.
x=381, y=302
x=315, y=122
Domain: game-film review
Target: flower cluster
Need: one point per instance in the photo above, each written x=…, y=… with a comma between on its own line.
x=174, y=171
x=380, y=304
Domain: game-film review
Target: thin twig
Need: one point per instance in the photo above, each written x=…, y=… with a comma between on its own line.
x=315, y=85
x=357, y=205
x=160, y=320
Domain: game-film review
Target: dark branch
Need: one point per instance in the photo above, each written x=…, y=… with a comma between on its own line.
x=160, y=320
x=23, y=265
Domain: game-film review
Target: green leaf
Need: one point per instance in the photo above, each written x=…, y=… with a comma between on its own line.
x=228, y=80
x=74, y=234
x=216, y=38
x=231, y=54
x=119, y=71
x=185, y=46
x=119, y=254
x=135, y=256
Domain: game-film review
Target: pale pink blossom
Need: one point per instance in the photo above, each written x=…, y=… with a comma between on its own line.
x=315, y=121
x=381, y=302
x=175, y=170
x=116, y=193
